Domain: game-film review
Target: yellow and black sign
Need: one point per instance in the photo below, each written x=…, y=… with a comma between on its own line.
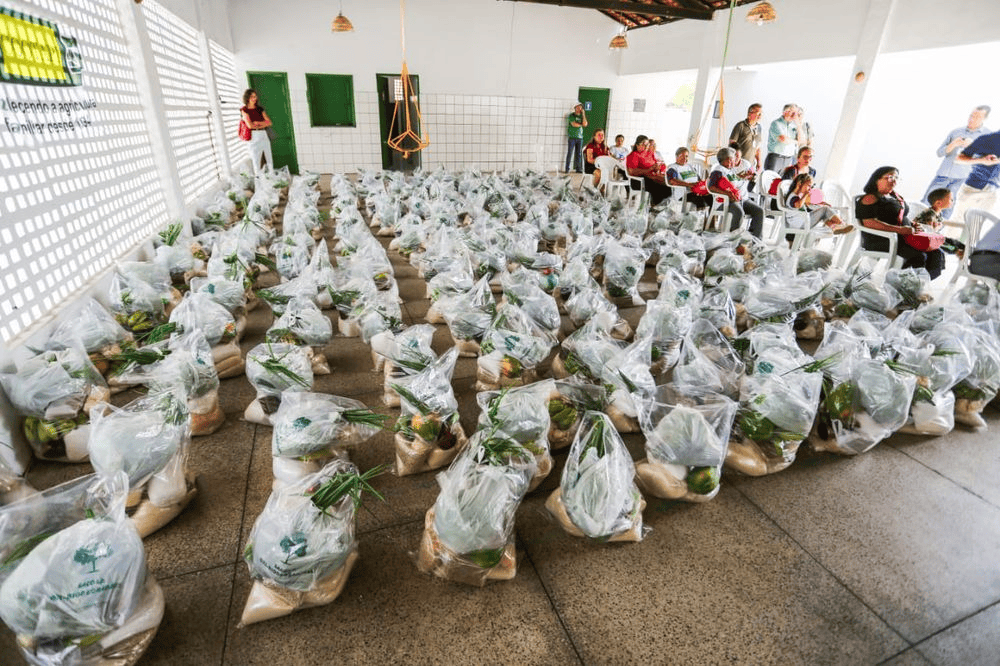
x=32, y=51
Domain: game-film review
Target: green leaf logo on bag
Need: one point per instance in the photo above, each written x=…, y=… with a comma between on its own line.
x=294, y=545
x=89, y=555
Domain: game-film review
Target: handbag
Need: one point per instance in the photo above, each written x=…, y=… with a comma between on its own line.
x=244, y=130
x=924, y=241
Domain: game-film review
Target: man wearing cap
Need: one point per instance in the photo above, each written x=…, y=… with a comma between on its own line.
x=576, y=121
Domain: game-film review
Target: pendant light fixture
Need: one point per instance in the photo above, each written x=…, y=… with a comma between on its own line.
x=342, y=23
x=762, y=13
x=619, y=41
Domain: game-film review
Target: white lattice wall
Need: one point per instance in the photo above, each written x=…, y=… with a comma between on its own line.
x=182, y=78
x=73, y=203
x=230, y=96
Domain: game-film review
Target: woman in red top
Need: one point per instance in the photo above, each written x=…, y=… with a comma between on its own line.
x=598, y=147
x=255, y=117
x=641, y=164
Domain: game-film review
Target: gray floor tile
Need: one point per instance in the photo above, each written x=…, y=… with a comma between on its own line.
x=911, y=657
x=194, y=621
x=711, y=583
x=391, y=613
x=972, y=641
x=918, y=549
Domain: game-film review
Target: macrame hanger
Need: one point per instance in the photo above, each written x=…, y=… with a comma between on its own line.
x=720, y=89
x=407, y=141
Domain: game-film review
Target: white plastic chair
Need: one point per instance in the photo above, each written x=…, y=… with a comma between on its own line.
x=764, y=182
x=975, y=221
x=802, y=236
x=719, y=218
x=638, y=195
x=891, y=255
x=608, y=166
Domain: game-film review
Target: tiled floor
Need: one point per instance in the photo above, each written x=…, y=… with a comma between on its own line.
x=890, y=557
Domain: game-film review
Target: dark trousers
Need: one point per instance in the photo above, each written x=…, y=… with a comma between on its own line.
x=756, y=213
x=985, y=263
x=575, y=146
x=776, y=162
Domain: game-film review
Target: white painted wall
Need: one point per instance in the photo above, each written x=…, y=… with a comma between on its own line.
x=209, y=16
x=496, y=78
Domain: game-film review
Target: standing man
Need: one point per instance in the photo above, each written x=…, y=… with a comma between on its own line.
x=782, y=139
x=980, y=188
x=952, y=173
x=576, y=121
x=746, y=134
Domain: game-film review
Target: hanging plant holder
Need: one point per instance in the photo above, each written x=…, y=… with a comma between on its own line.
x=408, y=140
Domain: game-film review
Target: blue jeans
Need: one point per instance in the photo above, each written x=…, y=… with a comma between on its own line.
x=950, y=184
x=577, y=146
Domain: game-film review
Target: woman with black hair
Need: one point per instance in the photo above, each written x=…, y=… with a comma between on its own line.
x=882, y=209
x=641, y=164
x=255, y=117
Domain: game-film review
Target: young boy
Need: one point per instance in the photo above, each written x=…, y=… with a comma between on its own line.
x=930, y=220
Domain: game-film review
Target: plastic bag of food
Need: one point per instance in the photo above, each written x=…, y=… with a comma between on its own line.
x=707, y=363
x=686, y=444
x=867, y=400
x=912, y=285
x=777, y=411
x=230, y=294
x=98, y=332
x=304, y=324
x=718, y=308
x=626, y=377
x=597, y=496
x=624, y=263
x=55, y=391
x=587, y=350
x=572, y=398
x=468, y=533
x=200, y=311
x=302, y=546
x=522, y=414
x=665, y=324
x=310, y=428
x=469, y=315
x=532, y=300
x=77, y=590
x=510, y=351
x=148, y=439
x=272, y=369
x=428, y=432
x=933, y=409
x=404, y=353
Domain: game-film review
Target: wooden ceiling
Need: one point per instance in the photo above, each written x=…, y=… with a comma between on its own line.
x=643, y=13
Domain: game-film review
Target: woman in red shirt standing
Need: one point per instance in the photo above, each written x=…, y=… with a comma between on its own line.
x=598, y=147
x=256, y=119
x=641, y=164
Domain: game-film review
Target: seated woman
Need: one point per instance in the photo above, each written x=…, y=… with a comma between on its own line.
x=640, y=164
x=597, y=147
x=881, y=208
x=801, y=166
x=805, y=214
x=681, y=174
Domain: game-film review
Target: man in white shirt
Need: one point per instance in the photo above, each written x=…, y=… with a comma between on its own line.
x=722, y=181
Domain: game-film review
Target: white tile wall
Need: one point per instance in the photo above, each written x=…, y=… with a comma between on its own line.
x=488, y=132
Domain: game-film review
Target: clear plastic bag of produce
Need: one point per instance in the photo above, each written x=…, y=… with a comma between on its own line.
x=318, y=425
x=981, y=385
x=428, y=432
x=624, y=263
x=199, y=311
x=468, y=316
x=666, y=324
x=520, y=290
x=510, y=351
x=302, y=323
x=80, y=593
x=777, y=411
x=148, y=439
x=137, y=305
x=405, y=353
x=597, y=496
x=573, y=397
x=272, y=369
x=587, y=350
x=230, y=294
x=933, y=409
x=468, y=533
x=866, y=401
x=779, y=298
x=912, y=285
x=627, y=376
x=686, y=442
x=54, y=391
x=522, y=414
x=718, y=308
x=93, y=326
x=13, y=487
x=707, y=363
x=302, y=546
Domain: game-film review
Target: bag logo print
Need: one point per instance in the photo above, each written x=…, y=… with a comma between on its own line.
x=89, y=555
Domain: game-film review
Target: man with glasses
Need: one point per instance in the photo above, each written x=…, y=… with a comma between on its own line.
x=746, y=135
x=952, y=172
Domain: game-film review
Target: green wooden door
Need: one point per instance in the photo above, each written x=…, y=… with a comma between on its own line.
x=392, y=159
x=272, y=93
x=597, y=113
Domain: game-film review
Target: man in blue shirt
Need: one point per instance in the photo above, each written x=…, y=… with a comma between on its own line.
x=783, y=139
x=980, y=188
x=952, y=173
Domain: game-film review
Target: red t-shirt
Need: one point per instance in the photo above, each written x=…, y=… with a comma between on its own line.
x=255, y=114
x=637, y=160
x=598, y=149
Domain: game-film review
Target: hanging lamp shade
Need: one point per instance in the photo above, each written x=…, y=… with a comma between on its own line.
x=342, y=24
x=762, y=13
x=618, y=42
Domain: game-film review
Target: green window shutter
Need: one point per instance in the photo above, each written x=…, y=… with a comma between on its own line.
x=331, y=100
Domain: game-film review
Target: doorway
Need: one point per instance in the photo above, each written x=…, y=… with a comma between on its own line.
x=595, y=105
x=272, y=91
x=389, y=88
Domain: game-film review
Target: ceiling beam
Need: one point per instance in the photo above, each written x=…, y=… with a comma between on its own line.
x=630, y=8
